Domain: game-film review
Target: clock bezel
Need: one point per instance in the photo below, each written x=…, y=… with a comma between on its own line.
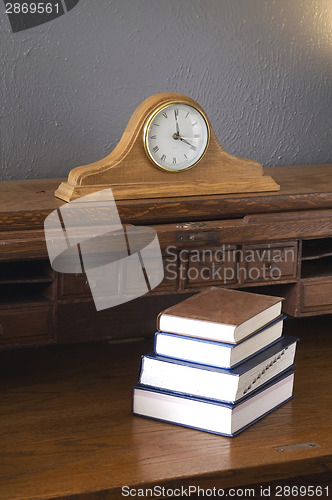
x=152, y=117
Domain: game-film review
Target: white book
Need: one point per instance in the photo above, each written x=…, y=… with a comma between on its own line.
x=218, y=383
x=210, y=415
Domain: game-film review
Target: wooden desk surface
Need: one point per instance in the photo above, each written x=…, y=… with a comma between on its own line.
x=24, y=204
x=67, y=428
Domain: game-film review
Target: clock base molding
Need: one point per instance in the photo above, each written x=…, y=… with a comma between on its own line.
x=147, y=190
x=131, y=174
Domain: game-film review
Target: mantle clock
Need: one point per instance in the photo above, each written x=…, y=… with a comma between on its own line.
x=168, y=149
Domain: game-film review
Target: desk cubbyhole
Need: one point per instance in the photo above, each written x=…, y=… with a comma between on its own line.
x=29, y=271
x=316, y=248
x=317, y=268
x=316, y=258
x=24, y=293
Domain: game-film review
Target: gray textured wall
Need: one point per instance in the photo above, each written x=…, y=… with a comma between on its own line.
x=261, y=69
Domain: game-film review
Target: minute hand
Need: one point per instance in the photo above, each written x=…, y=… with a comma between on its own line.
x=176, y=123
x=184, y=140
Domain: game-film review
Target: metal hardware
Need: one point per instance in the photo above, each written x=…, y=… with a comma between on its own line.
x=297, y=446
x=206, y=236
x=190, y=225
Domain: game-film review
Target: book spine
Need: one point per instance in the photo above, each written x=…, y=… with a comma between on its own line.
x=158, y=320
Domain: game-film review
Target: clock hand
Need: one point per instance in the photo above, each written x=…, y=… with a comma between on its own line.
x=176, y=136
x=184, y=140
x=176, y=123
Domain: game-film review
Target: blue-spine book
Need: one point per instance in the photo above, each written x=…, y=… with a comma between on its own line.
x=217, y=417
x=218, y=383
x=215, y=353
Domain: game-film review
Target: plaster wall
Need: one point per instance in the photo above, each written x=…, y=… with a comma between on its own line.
x=261, y=69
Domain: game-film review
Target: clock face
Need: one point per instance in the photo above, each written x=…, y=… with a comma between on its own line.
x=176, y=137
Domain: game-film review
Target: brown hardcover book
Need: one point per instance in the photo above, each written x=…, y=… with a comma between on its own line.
x=220, y=314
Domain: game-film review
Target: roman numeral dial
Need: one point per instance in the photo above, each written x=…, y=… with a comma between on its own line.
x=176, y=136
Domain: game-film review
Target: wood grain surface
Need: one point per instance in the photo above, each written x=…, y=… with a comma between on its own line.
x=24, y=204
x=67, y=430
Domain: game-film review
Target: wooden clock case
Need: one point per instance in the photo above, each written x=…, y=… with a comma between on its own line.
x=131, y=175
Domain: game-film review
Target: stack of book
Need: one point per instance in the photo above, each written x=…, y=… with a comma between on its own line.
x=220, y=362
